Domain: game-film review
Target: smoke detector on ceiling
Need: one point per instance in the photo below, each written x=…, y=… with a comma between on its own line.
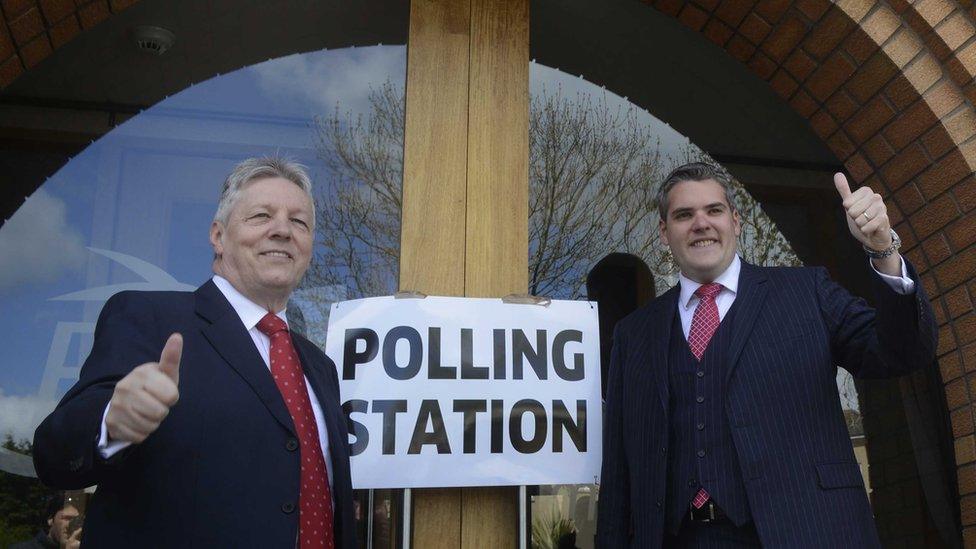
x=154, y=40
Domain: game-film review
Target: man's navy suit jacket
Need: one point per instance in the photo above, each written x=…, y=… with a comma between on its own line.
x=792, y=328
x=223, y=468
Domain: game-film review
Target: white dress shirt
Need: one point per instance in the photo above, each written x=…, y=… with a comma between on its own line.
x=250, y=314
x=729, y=279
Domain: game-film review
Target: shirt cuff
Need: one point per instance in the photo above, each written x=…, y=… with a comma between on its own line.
x=899, y=284
x=107, y=448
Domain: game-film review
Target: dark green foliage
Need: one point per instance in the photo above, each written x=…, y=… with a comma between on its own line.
x=23, y=501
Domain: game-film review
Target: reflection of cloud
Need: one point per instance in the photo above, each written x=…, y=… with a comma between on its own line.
x=154, y=279
x=326, y=78
x=37, y=243
x=20, y=415
x=550, y=81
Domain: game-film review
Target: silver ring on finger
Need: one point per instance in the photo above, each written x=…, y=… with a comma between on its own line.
x=866, y=216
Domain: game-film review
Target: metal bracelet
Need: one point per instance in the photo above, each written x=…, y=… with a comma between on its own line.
x=881, y=254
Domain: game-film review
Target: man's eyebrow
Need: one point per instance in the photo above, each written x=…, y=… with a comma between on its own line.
x=676, y=211
x=266, y=207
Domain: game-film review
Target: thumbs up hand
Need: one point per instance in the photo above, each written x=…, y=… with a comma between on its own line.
x=867, y=216
x=142, y=399
x=867, y=219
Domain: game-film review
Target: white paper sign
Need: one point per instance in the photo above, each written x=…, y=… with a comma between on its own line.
x=448, y=391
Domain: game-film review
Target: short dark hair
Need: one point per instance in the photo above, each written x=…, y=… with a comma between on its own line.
x=693, y=171
x=55, y=502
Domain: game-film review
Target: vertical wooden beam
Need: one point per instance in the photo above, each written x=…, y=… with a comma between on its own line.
x=435, y=148
x=496, y=246
x=496, y=241
x=436, y=518
x=465, y=201
x=434, y=180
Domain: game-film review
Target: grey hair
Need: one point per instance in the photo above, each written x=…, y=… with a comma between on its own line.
x=694, y=171
x=253, y=169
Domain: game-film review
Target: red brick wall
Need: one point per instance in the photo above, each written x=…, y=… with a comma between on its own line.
x=30, y=30
x=889, y=86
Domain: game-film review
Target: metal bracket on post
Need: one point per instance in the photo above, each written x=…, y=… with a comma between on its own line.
x=369, y=520
x=523, y=496
x=407, y=519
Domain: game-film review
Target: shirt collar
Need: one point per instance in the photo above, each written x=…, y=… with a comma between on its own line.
x=250, y=312
x=729, y=279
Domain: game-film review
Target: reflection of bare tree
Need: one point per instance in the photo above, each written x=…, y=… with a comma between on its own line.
x=589, y=172
x=849, y=402
x=592, y=174
x=358, y=217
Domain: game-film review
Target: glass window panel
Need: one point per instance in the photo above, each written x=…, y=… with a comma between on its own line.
x=133, y=210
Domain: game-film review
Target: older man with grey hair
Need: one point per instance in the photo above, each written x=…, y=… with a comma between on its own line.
x=203, y=420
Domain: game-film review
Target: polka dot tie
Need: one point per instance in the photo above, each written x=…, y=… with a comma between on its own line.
x=314, y=498
x=703, y=325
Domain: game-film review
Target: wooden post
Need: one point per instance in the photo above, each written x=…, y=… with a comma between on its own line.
x=465, y=202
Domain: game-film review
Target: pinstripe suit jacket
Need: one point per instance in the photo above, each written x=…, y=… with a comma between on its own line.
x=793, y=327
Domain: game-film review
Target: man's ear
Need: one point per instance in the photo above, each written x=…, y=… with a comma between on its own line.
x=662, y=228
x=216, y=235
x=736, y=223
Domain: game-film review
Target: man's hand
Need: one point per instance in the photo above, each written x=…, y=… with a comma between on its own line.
x=142, y=398
x=73, y=542
x=867, y=219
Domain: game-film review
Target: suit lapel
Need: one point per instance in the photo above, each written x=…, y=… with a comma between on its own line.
x=748, y=302
x=660, y=338
x=328, y=394
x=228, y=337
x=325, y=393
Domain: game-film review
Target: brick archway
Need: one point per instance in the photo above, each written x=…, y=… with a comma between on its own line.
x=889, y=87
x=32, y=29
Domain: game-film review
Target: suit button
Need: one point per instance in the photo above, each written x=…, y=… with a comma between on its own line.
x=701, y=373
x=657, y=504
x=664, y=450
x=701, y=453
x=291, y=445
x=692, y=482
x=701, y=426
x=287, y=507
x=700, y=399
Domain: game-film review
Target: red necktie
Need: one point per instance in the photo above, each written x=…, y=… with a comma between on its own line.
x=703, y=325
x=705, y=321
x=314, y=499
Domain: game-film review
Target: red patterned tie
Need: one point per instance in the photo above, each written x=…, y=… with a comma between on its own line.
x=703, y=325
x=314, y=499
x=705, y=321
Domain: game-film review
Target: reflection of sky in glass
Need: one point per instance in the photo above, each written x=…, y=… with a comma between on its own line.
x=148, y=189
x=543, y=79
